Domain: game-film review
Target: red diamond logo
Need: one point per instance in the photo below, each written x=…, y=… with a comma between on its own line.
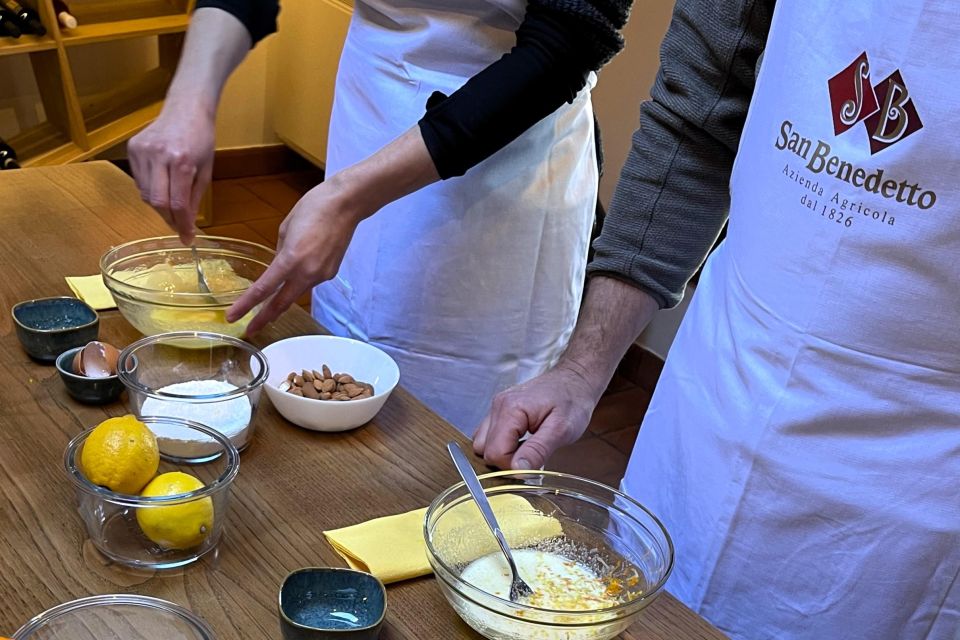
x=897, y=117
x=852, y=98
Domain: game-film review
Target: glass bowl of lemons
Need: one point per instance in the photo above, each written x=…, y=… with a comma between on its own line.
x=155, y=282
x=152, y=492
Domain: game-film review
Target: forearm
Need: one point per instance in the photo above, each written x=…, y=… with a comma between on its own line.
x=558, y=45
x=613, y=315
x=673, y=194
x=216, y=44
x=398, y=169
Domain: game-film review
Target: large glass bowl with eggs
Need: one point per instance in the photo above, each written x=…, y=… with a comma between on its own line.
x=594, y=557
x=156, y=287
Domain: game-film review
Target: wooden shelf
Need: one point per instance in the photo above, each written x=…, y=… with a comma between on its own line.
x=106, y=31
x=26, y=44
x=101, y=109
x=81, y=126
x=122, y=128
x=40, y=143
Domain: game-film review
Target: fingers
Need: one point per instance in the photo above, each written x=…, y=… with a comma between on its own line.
x=265, y=286
x=480, y=436
x=508, y=423
x=286, y=296
x=158, y=195
x=537, y=449
x=181, y=198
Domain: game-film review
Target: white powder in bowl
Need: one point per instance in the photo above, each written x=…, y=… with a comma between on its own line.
x=229, y=417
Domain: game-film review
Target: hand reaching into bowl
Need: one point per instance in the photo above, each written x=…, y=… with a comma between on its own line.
x=172, y=159
x=313, y=240
x=315, y=235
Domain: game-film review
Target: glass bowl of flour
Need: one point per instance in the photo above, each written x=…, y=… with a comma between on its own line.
x=209, y=378
x=594, y=557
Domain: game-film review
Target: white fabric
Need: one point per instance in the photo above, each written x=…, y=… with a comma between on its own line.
x=472, y=284
x=802, y=446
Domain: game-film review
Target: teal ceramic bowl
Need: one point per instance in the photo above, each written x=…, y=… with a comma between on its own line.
x=85, y=389
x=47, y=327
x=328, y=603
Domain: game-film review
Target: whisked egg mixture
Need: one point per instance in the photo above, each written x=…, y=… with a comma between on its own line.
x=565, y=576
x=558, y=582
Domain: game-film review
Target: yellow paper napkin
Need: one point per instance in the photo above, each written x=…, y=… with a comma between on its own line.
x=392, y=548
x=91, y=290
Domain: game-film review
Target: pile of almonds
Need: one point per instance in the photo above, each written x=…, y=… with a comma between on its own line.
x=324, y=385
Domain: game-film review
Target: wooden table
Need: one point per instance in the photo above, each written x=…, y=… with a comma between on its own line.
x=293, y=483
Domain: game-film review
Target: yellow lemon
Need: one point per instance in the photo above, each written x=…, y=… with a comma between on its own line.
x=120, y=454
x=178, y=526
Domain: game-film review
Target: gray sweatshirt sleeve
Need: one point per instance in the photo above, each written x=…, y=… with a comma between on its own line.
x=673, y=195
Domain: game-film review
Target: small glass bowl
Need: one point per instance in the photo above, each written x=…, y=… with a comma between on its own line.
x=153, y=304
x=578, y=519
x=111, y=517
x=219, y=380
x=115, y=617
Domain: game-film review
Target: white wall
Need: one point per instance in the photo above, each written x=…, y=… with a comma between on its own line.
x=625, y=82
x=245, y=118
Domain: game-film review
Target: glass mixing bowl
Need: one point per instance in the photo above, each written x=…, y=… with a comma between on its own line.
x=600, y=529
x=216, y=380
x=116, y=617
x=154, y=282
x=114, y=520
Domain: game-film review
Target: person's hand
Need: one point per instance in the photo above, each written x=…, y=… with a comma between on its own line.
x=554, y=408
x=313, y=239
x=172, y=162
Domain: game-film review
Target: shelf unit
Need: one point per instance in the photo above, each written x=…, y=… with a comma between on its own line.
x=78, y=126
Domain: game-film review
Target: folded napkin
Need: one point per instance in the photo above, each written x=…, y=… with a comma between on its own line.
x=392, y=548
x=91, y=290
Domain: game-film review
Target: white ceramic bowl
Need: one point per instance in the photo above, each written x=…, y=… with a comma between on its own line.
x=362, y=361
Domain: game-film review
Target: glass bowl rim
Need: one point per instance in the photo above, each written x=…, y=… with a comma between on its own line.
x=467, y=590
x=41, y=619
x=130, y=352
x=112, y=283
x=129, y=500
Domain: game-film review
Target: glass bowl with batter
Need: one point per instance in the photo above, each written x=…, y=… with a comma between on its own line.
x=154, y=282
x=594, y=557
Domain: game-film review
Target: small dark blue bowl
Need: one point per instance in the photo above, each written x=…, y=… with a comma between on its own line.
x=327, y=603
x=47, y=327
x=83, y=388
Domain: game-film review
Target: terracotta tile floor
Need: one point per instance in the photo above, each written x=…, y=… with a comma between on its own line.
x=253, y=208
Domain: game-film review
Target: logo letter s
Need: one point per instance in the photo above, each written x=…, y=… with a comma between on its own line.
x=850, y=109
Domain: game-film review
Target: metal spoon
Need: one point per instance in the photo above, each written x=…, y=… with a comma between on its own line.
x=201, y=279
x=518, y=588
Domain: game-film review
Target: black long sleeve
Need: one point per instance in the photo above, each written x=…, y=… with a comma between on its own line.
x=258, y=16
x=559, y=43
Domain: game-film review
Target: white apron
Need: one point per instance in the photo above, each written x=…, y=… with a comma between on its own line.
x=472, y=284
x=803, y=444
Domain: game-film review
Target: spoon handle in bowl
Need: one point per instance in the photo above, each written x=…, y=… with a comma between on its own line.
x=476, y=490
